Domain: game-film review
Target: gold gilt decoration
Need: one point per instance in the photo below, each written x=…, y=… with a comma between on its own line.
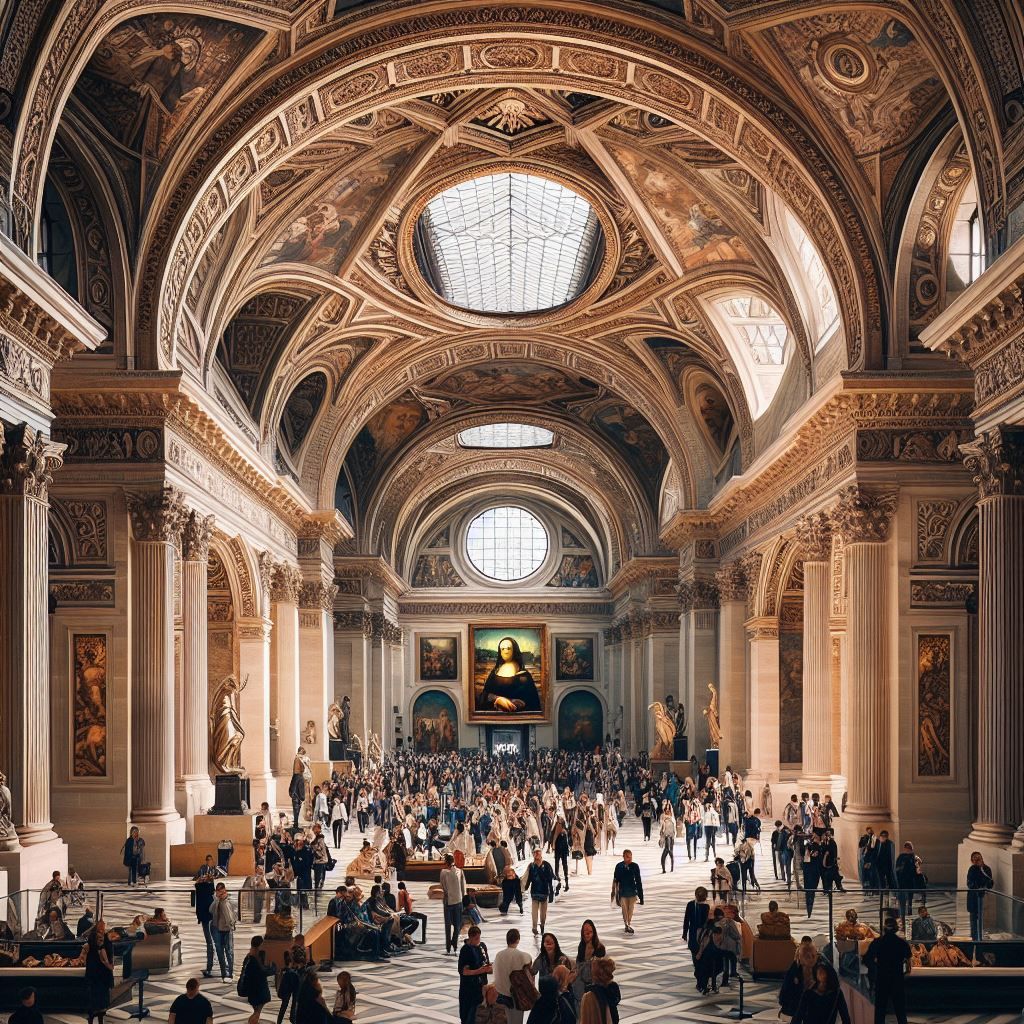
x=510, y=116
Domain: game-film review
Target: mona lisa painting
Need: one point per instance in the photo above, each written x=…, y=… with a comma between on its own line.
x=509, y=682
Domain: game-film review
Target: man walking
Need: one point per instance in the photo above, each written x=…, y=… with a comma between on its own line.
x=627, y=889
x=223, y=921
x=453, y=885
x=510, y=959
x=541, y=881
x=887, y=957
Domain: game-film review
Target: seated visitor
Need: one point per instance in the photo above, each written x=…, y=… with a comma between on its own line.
x=852, y=930
x=367, y=862
x=923, y=929
x=774, y=923
x=55, y=930
x=945, y=954
x=918, y=955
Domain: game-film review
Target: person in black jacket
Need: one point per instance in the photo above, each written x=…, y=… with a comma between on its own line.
x=885, y=861
x=474, y=966
x=204, y=886
x=627, y=888
x=885, y=960
x=541, y=881
x=811, y=871
x=823, y=1002
x=302, y=865
x=979, y=881
x=252, y=979
x=696, y=916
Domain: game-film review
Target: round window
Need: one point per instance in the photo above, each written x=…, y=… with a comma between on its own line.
x=506, y=543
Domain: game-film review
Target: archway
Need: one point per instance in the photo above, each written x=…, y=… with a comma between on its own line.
x=580, y=720
x=435, y=723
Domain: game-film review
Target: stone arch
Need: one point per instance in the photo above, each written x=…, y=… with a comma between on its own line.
x=570, y=719
x=776, y=566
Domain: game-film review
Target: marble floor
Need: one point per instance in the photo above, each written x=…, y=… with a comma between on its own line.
x=652, y=966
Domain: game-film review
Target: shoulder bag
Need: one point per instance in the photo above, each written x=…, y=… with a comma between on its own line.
x=524, y=994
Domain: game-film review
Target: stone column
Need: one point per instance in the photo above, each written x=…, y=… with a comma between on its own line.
x=732, y=669
x=316, y=660
x=157, y=518
x=863, y=520
x=763, y=659
x=254, y=707
x=194, y=786
x=27, y=462
x=814, y=535
x=996, y=459
x=284, y=664
x=698, y=601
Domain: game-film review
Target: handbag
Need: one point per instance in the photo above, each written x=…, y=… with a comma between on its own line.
x=524, y=995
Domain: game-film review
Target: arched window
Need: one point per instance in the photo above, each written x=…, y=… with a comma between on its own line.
x=57, y=244
x=506, y=435
x=824, y=311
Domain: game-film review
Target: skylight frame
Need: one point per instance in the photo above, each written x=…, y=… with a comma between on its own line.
x=507, y=543
x=506, y=436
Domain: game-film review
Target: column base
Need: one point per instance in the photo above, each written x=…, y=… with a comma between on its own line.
x=160, y=836
x=32, y=867
x=193, y=795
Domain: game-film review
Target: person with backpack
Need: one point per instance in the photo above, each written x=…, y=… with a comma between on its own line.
x=252, y=979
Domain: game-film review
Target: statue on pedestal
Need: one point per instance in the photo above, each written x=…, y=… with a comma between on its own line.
x=665, y=730
x=8, y=835
x=335, y=714
x=711, y=714
x=226, y=732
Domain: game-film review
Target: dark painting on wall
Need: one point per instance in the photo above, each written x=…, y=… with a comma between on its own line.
x=89, y=705
x=435, y=723
x=933, y=704
x=580, y=721
x=791, y=696
x=574, y=658
x=509, y=681
x=575, y=571
x=439, y=659
x=436, y=571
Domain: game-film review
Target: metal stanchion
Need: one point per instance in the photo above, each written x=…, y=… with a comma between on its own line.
x=739, y=1012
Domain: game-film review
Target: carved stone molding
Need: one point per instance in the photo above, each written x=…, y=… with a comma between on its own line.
x=814, y=536
x=318, y=595
x=486, y=609
x=764, y=628
x=25, y=371
x=285, y=583
x=942, y=593
x=96, y=593
x=698, y=593
x=862, y=516
x=931, y=521
x=267, y=565
x=732, y=582
x=750, y=565
x=996, y=461
x=156, y=515
x=27, y=461
x=196, y=534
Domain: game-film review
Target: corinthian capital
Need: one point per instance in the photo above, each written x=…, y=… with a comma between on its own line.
x=996, y=461
x=814, y=536
x=318, y=595
x=156, y=515
x=285, y=582
x=697, y=593
x=732, y=582
x=27, y=461
x=863, y=517
x=196, y=533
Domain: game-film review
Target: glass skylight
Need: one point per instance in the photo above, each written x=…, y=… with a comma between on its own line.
x=761, y=328
x=507, y=543
x=817, y=277
x=508, y=243
x=506, y=435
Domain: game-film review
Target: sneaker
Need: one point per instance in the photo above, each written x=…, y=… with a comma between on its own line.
x=535, y=931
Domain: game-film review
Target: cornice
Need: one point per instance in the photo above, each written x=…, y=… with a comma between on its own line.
x=641, y=568
x=371, y=567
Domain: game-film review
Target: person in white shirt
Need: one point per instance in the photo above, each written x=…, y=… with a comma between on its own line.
x=453, y=886
x=320, y=809
x=711, y=821
x=339, y=820
x=510, y=959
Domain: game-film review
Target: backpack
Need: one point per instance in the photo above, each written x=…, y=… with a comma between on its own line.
x=524, y=995
x=242, y=988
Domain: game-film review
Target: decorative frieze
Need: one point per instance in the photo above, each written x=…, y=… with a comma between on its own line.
x=27, y=461
x=942, y=593
x=861, y=516
x=95, y=593
x=996, y=461
x=909, y=445
x=111, y=444
x=488, y=609
x=318, y=595
x=196, y=534
x=814, y=536
x=23, y=369
x=156, y=515
x=86, y=522
x=932, y=519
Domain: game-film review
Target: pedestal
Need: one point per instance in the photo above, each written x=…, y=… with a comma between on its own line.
x=679, y=749
x=32, y=867
x=231, y=795
x=711, y=756
x=336, y=750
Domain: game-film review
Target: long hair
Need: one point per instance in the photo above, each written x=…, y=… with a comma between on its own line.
x=557, y=955
x=517, y=655
x=597, y=944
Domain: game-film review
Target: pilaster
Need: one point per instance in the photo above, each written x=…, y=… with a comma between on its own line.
x=316, y=660
x=763, y=659
x=284, y=664
x=732, y=667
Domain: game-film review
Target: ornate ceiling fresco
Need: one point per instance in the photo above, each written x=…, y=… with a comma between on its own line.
x=252, y=180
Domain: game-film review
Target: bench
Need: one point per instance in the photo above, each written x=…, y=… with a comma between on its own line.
x=58, y=989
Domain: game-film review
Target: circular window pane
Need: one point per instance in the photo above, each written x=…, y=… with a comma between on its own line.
x=507, y=543
x=508, y=243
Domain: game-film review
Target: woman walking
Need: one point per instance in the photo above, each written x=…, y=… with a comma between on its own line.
x=252, y=979
x=667, y=836
x=823, y=1002
x=99, y=970
x=134, y=850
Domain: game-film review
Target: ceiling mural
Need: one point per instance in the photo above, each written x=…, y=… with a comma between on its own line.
x=522, y=383
x=153, y=75
x=320, y=233
x=384, y=435
x=697, y=231
x=866, y=71
x=301, y=408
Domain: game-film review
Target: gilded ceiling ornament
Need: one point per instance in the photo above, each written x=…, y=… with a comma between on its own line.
x=510, y=116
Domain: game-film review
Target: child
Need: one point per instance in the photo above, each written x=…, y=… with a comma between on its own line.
x=345, y=1000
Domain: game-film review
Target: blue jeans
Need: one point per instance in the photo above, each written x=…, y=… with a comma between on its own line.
x=208, y=935
x=976, y=908
x=133, y=870
x=452, y=925
x=225, y=946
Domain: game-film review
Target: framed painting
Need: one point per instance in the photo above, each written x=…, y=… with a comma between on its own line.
x=437, y=657
x=89, y=705
x=509, y=678
x=435, y=723
x=576, y=658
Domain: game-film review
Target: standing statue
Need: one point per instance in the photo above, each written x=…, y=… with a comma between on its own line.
x=373, y=748
x=346, y=719
x=334, y=718
x=711, y=714
x=309, y=735
x=766, y=800
x=8, y=835
x=680, y=721
x=226, y=732
x=665, y=729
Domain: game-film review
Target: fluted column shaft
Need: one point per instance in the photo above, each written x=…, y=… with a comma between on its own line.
x=1001, y=667
x=866, y=701
x=763, y=658
x=195, y=747
x=26, y=462
x=817, y=690
x=284, y=681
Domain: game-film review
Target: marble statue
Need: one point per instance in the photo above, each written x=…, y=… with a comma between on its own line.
x=766, y=800
x=309, y=735
x=665, y=729
x=334, y=719
x=226, y=732
x=8, y=836
x=711, y=714
x=346, y=717
x=373, y=747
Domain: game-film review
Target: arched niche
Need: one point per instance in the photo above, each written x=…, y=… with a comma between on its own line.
x=435, y=723
x=580, y=720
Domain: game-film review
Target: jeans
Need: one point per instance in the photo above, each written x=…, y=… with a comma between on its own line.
x=208, y=935
x=563, y=860
x=786, y=867
x=337, y=828
x=133, y=871
x=225, y=946
x=709, y=840
x=296, y=807
x=319, y=874
x=692, y=836
x=747, y=872
x=976, y=908
x=452, y=925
